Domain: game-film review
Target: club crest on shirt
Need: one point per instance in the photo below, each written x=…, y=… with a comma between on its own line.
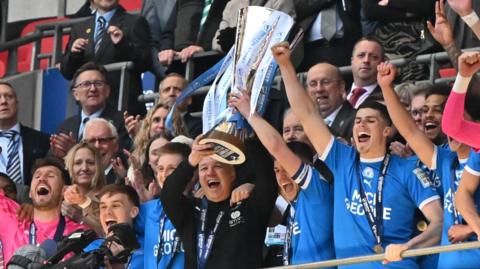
x=235, y=218
x=368, y=172
x=422, y=177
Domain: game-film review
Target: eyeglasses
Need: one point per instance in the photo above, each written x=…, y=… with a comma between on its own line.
x=323, y=82
x=100, y=140
x=416, y=112
x=85, y=85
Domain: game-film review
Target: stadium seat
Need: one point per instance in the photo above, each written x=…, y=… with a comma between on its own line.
x=131, y=5
x=25, y=52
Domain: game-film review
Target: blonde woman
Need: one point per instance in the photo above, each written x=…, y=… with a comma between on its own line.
x=84, y=164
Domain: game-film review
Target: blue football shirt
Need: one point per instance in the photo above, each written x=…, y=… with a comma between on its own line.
x=404, y=190
x=459, y=259
x=148, y=221
x=312, y=231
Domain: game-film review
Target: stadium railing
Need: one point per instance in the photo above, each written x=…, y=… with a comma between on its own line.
x=381, y=257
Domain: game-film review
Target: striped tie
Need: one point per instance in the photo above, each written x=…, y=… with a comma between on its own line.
x=206, y=10
x=13, y=164
x=101, y=22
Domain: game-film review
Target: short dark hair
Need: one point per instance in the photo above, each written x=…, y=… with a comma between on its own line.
x=438, y=90
x=302, y=150
x=381, y=108
x=370, y=38
x=89, y=66
x=122, y=189
x=175, y=148
x=52, y=161
x=173, y=75
x=11, y=187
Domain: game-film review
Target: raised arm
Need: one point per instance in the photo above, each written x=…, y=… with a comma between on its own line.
x=453, y=122
x=269, y=137
x=416, y=139
x=301, y=104
x=464, y=9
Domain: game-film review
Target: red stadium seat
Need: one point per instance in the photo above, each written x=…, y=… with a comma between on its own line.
x=25, y=52
x=131, y=5
x=3, y=63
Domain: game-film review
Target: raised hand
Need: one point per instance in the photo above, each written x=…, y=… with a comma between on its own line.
x=241, y=101
x=132, y=124
x=199, y=151
x=442, y=31
x=461, y=7
x=386, y=73
x=281, y=52
x=469, y=63
x=73, y=196
x=241, y=193
x=61, y=144
x=79, y=45
x=116, y=34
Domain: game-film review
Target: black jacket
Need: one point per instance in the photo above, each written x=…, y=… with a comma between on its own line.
x=239, y=240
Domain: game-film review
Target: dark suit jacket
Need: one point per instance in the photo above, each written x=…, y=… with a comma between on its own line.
x=193, y=124
x=134, y=46
x=72, y=124
x=188, y=32
x=35, y=145
x=342, y=125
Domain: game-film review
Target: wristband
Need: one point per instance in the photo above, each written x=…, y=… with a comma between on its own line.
x=461, y=84
x=471, y=19
x=86, y=203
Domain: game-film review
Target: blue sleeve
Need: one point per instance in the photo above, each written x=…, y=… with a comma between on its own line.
x=338, y=155
x=420, y=192
x=94, y=245
x=473, y=163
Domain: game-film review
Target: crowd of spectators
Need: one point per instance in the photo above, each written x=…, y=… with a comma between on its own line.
x=340, y=166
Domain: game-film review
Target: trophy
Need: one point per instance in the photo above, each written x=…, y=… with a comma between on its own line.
x=248, y=66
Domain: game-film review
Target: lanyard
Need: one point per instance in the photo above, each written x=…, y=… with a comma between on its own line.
x=204, y=247
x=289, y=233
x=375, y=221
x=176, y=242
x=453, y=176
x=57, y=236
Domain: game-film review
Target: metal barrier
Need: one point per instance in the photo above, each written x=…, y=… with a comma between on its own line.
x=381, y=257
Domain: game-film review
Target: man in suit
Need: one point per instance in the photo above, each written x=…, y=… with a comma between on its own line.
x=326, y=88
x=169, y=90
x=111, y=35
x=102, y=135
x=331, y=29
x=20, y=146
x=366, y=56
x=91, y=90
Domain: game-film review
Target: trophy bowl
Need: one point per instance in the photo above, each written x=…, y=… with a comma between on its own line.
x=227, y=144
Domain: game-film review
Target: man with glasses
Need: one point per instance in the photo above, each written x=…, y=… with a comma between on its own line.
x=91, y=90
x=102, y=135
x=326, y=88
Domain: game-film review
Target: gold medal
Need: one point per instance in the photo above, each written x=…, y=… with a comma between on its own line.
x=88, y=30
x=378, y=249
x=422, y=226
